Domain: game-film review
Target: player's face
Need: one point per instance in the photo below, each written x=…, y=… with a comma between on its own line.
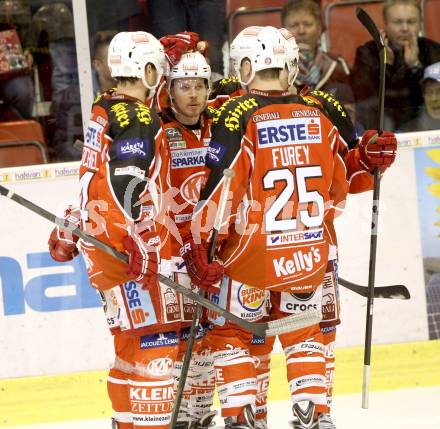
x=189, y=96
x=431, y=93
x=304, y=27
x=402, y=23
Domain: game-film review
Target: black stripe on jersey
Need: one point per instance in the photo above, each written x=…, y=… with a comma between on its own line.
x=338, y=116
x=133, y=128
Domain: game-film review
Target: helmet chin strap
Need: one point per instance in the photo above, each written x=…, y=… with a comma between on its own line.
x=292, y=76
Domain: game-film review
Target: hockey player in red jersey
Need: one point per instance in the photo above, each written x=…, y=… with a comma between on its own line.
x=360, y=180
x=187, y=132
x=279, y=237
x=122, y=150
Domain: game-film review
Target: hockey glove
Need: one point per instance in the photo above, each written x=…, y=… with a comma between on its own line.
x=143, y=251
x=377, y=151
x=176, y=45
x=62, y=243
x=203, y=274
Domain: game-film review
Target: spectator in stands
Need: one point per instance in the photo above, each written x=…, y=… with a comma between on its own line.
x=318, y=69
x=102, y=80
x=57, y=20
x=205, y=17
x=428, y=117
x=407, y=56
x=16, y=85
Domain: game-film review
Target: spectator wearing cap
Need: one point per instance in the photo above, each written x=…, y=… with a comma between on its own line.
x=428, y=117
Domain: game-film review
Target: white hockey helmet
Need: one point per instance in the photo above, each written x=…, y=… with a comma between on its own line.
x=191, y=65
x=292, y=55
x=130, y=52
x=264, y=47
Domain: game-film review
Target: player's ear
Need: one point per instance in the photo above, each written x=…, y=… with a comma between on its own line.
x=246, y=69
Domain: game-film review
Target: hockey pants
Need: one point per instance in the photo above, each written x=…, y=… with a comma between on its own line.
x=140, y=383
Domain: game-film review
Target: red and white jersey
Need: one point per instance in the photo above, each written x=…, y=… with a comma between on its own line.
x=120, y=158
x=183, y=173
x=289, y=175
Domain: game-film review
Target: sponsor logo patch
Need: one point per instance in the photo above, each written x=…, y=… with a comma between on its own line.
x=130, y=170
x=215, y=153
x=250, y=298
x=188, y=158
x=133, y=148
x=289, y=131
x=93, y=136
x=273, y=240
x=158, y=340
x=173, y=135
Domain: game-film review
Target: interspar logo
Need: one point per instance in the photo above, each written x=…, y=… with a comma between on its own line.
x=294, y=237
x=301, y=261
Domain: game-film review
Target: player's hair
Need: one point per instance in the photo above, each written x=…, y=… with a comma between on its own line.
x=268, y=74
x=293, y=6
x=124, y=80
x=389, y=3
x=101, y=40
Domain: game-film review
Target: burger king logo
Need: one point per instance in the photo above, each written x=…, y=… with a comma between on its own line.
x=250, y=298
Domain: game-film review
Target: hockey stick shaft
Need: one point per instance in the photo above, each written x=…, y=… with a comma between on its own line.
x=228, y=175
x=271, y=328
x=387, y=292
x=371, y=27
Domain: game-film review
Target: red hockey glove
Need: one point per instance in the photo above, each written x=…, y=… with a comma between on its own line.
x=143, y=251
x=62, y=243
x=202, y=273
x=377, y=151
x=176, y=45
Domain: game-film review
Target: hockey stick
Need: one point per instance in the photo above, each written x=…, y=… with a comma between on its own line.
x=228, y=175
x=371, y=27
x=266, y=329
x=388, y=292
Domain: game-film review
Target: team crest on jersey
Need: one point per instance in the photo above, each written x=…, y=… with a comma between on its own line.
x=251, y=299
x=190, y=188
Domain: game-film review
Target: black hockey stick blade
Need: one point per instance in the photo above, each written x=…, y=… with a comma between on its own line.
x=262, y=329
x=370, y=26
x=387, y=292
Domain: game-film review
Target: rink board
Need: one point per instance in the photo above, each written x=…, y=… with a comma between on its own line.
x=51, y=320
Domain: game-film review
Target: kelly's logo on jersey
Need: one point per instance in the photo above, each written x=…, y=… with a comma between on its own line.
x=188, y=158
x=251, y=299
x=290, y=131
x=133, y=148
